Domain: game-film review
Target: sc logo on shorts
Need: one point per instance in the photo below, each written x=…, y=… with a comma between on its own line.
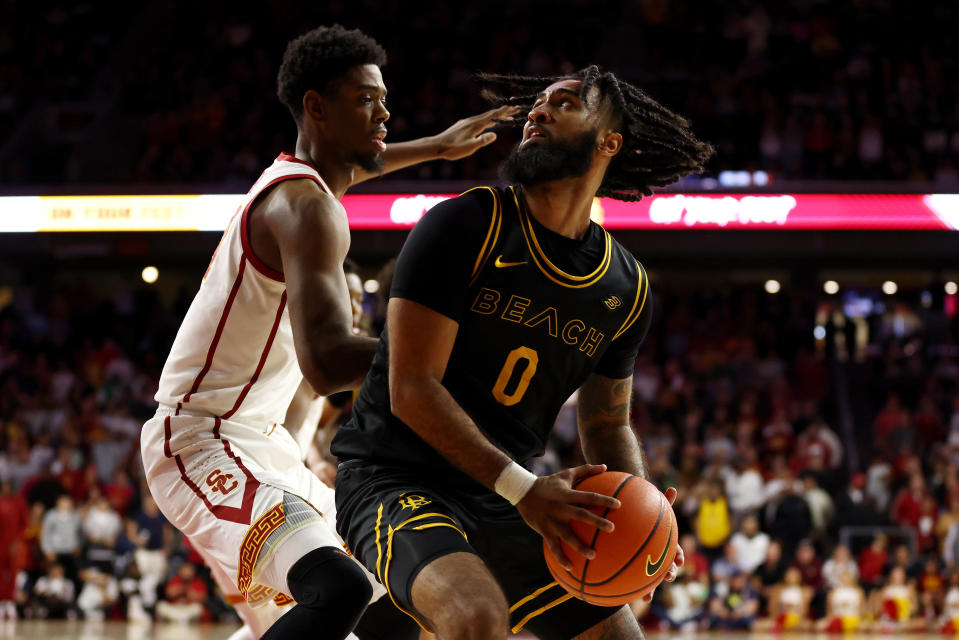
x=217, y=481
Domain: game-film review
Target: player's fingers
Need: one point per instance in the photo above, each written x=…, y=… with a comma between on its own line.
x=584, y=470
x=491, y=118
x=498, y=113
x=590, y=518
x=649, y=596
x=577, y=545
x=485, y=139
x=680, y=558
x=592, y=499
x=671, y=574
x=552, y=542
x=671, y=494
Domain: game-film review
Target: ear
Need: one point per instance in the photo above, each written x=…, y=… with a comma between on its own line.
x=314, y=107
x=610, y=144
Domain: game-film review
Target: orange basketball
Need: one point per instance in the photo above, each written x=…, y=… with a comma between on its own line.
x=633, y=558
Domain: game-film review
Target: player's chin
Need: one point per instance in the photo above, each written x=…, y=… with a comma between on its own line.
x=369, y=161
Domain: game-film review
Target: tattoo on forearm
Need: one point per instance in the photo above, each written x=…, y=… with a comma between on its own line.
x=610, y=404
x=604, y=422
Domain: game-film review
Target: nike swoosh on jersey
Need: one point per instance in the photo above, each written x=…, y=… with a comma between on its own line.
x=653, y=567
x=499, y=264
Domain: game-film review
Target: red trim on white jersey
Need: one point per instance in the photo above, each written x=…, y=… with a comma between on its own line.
x=241, y=514
x=218, y=333
x=288, y=157
x=259, y=366
x=261, y=266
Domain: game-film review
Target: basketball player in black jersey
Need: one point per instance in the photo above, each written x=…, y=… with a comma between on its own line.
x=504, y=302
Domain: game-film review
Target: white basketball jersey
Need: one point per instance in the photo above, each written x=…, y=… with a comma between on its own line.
x=233, y=356
x=951, y=606
x=846, y=601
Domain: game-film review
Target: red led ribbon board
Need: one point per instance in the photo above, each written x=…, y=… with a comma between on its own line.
x=401, y=211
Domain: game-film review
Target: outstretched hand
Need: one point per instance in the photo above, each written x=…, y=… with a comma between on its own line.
x=680, y=558
x=465, y=136
x=552, y=503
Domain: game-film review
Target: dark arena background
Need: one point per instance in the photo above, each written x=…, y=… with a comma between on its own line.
x=798, y=385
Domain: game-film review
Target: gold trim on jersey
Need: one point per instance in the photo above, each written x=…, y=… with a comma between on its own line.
x=379, y=549
x=441, y=524
x=532, y=595
x=549, y=269
x=385, y=578
x=642, y=287
x=558, y=601
x=492, y=234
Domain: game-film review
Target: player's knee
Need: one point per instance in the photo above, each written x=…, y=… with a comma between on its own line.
x=326, y=578
x=477, y=620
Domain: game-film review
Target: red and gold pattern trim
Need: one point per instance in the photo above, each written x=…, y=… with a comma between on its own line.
x=253, y=542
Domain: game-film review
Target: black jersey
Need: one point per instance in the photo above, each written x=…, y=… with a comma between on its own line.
x=537, y=313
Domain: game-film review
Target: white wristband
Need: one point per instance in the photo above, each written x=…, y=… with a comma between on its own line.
x=514, y=482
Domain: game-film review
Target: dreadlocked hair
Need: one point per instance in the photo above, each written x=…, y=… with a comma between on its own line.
x=658, y=146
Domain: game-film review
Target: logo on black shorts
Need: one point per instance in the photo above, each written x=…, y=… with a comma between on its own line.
x=413, y=502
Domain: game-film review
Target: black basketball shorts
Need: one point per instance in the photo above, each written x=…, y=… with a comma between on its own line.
x=396, y=521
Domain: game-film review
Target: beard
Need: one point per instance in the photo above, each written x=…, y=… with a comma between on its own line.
x=550, y=160
x=370, y=163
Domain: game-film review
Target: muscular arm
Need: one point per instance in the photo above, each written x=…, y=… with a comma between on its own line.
x=462, y=139
x=607, y=437
x=311, y=231
x=421, y=341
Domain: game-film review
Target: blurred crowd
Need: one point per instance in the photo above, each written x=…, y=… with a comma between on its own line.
x=170, y=92
x=817, y=472
x=800, y=502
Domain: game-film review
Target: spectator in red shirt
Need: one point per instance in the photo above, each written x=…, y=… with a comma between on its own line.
x=14, y=515
x=872, y=560
x=928, y=423
x=907, y=507
x=926, y=529
x=818, y=441
x=696, y=561
x=890, y=417
x=72, y=479
x=185, y=596
x=809, y=566
x=120, y=492
x=932, y=589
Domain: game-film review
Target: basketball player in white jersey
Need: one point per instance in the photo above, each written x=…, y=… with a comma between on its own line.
x=273, y=307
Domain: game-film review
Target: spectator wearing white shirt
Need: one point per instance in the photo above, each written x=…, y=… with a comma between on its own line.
x=841, y=562
x=950, y=547
x=54, y=593
x=818, y=440
x=750, y=544
x=101, y=524
x=744, y=484
x=821, y=507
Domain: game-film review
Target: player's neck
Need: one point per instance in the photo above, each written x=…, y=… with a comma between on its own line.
x=335, y=171
x=562, y=206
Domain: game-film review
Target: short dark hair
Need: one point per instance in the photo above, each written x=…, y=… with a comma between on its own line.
x=318, y=58
x=658, y=145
